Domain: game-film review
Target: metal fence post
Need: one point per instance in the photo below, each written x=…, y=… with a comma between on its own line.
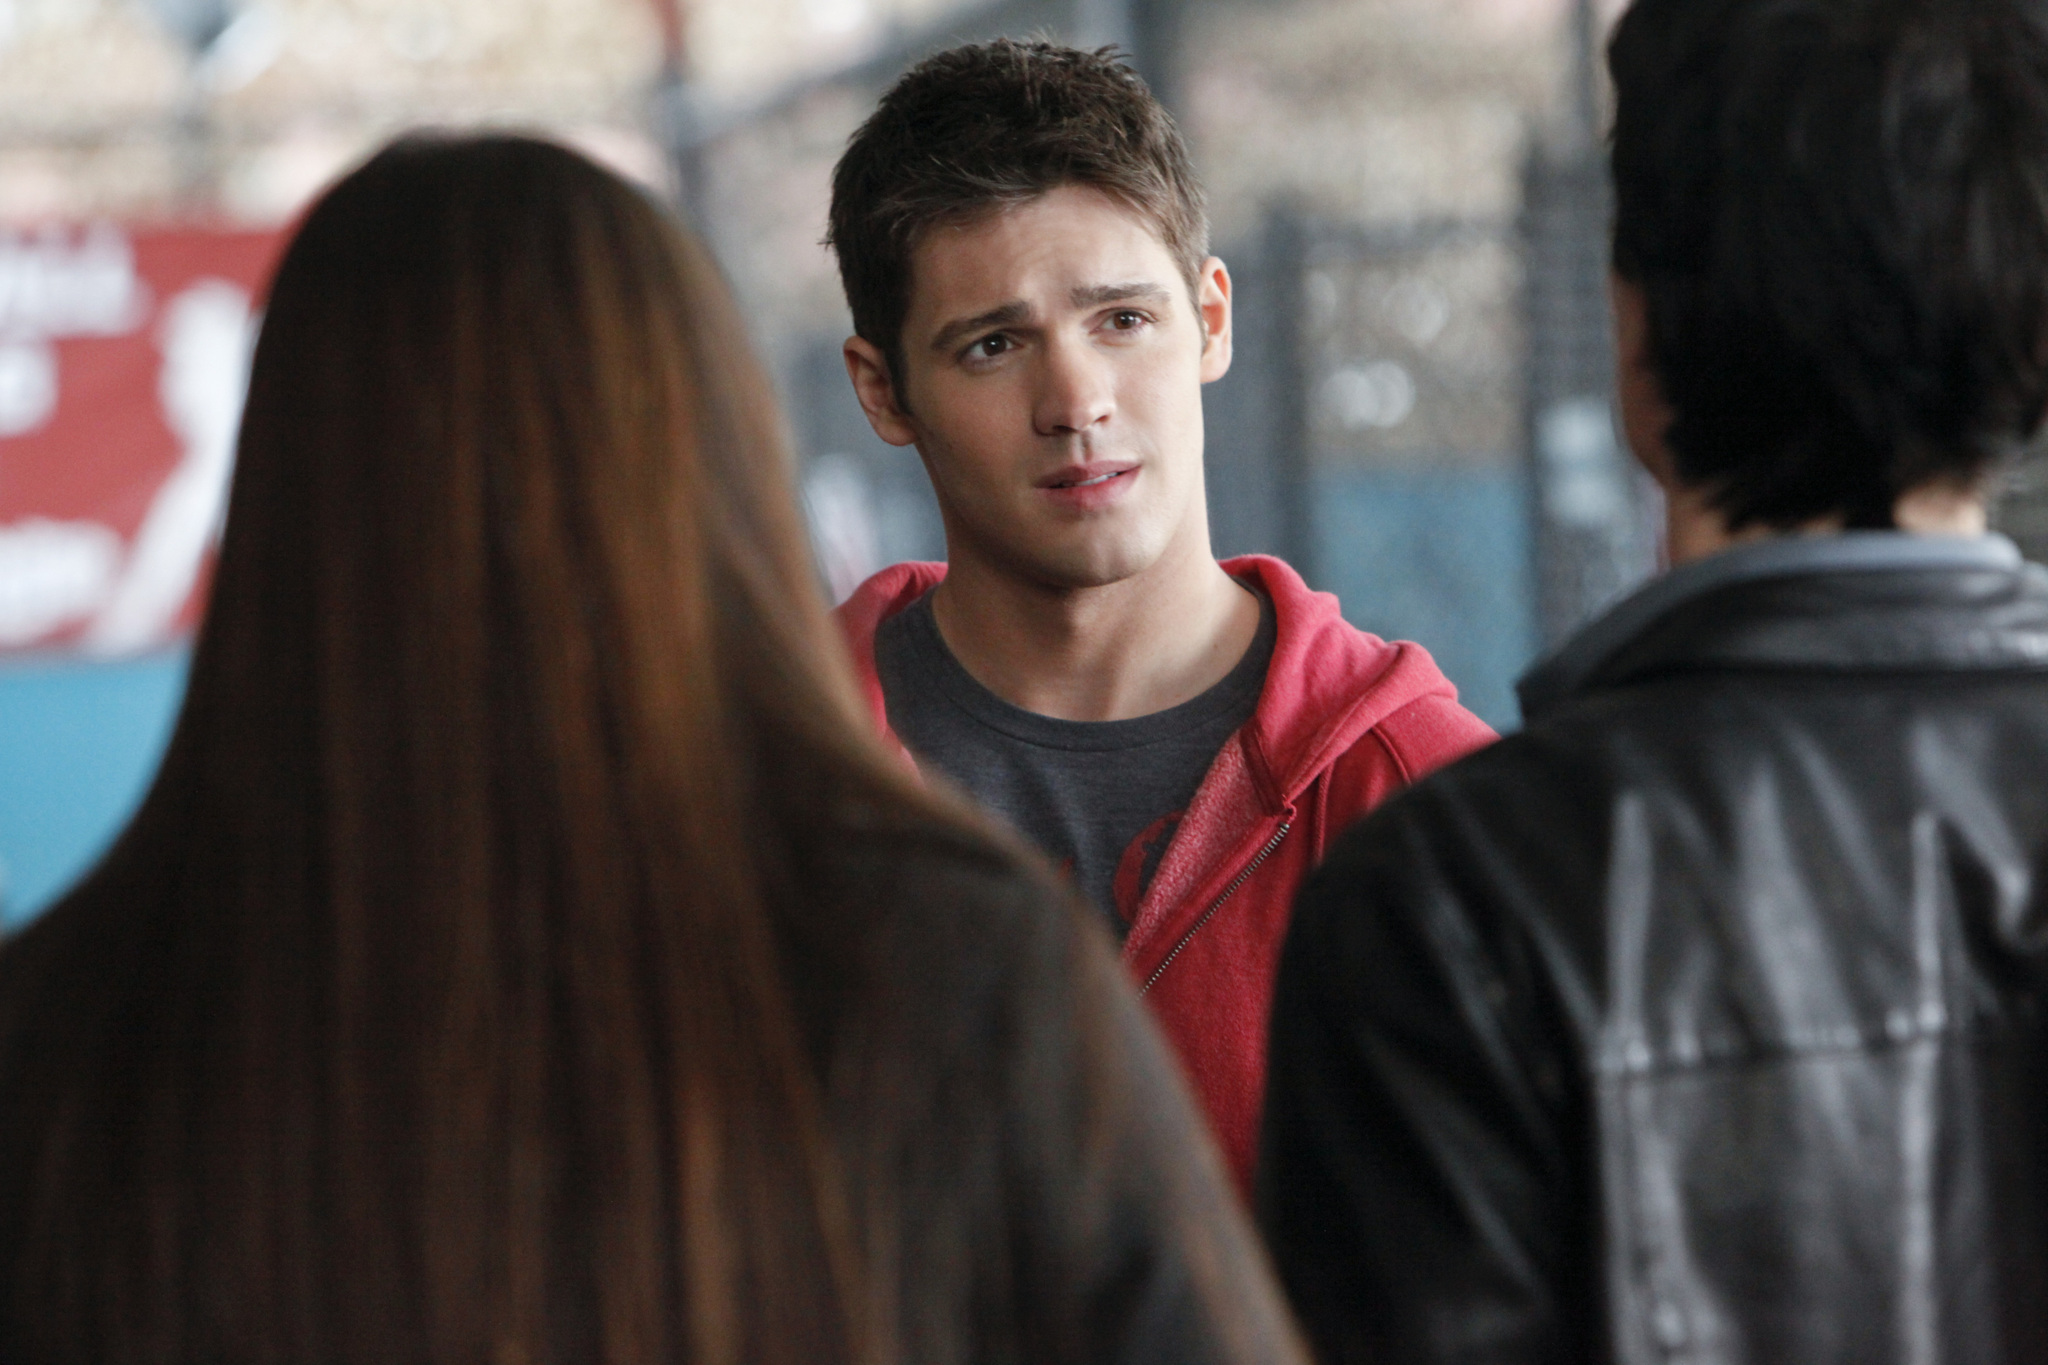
x=1286, y=272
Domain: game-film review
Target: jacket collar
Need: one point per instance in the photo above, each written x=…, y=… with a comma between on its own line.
x=1328, y=683
x=1856, y=600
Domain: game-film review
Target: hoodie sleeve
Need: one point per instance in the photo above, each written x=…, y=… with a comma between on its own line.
x=1428, y=733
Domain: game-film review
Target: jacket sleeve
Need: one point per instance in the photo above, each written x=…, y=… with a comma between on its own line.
x=1018, y=1141
x=1407, y=746
x=1424, y=1179
x=1174, y=1270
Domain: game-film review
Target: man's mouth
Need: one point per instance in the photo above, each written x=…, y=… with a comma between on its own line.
x=1092, y=474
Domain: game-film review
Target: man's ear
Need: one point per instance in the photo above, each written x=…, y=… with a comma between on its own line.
x=1212, y=307
x=868, y=368
x=1645, y=414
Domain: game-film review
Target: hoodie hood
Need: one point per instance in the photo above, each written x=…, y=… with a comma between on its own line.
x=1329, y=682
x=861, y=615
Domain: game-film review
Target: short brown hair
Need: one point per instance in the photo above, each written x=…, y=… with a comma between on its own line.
x=988, y=126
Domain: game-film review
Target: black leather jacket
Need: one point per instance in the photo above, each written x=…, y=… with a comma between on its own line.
x=1702, y=1020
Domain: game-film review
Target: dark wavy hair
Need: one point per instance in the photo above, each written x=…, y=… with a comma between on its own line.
x=986, y=126
x=1838, y=213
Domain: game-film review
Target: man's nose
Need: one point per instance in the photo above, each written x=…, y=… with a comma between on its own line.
x=1075, y=389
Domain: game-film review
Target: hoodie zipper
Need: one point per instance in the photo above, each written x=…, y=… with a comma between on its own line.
x=1217, y=904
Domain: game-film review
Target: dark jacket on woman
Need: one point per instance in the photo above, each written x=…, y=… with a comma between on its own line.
x=1702, y=1020
x=1021, y=1148
x=1027, y=1175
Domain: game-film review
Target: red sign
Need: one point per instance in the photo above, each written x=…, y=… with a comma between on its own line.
x=123, y=361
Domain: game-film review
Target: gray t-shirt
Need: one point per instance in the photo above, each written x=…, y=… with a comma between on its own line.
x=1103, y=798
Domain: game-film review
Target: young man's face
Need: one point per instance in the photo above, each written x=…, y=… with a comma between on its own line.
x=1053, y=364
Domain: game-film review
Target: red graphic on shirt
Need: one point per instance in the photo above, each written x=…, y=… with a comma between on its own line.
x=1135, y=870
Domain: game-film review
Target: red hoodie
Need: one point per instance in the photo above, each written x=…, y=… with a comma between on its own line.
x=1344, y=720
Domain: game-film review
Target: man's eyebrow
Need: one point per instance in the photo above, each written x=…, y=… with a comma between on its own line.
x=1016, y=311
x=1009, y=315
x=1096, y=295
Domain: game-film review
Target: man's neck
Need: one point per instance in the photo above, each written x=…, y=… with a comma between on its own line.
x=1125, y=649
x=1695, y=528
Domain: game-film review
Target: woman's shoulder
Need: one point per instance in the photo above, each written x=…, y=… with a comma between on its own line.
x=933, y=911
x=927, y=873
x=993, y=1070
x=934, y=860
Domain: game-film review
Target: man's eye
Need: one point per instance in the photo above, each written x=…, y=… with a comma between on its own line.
x=1129, y=319
x=990, y=346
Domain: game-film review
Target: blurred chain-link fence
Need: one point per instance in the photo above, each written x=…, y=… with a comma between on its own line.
x=1392, y=373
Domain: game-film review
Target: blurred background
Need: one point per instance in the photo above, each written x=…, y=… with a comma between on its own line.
x=1408, y=192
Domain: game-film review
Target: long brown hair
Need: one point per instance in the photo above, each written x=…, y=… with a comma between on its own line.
x=434, y=1008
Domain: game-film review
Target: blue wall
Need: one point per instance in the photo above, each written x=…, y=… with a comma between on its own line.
x=79, y=744
x=1441, y=557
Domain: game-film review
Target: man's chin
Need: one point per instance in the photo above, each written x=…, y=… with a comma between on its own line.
x=1083, y=567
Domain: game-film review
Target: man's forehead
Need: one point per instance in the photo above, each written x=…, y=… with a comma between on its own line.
x=1074, y=195
x=1070, y=238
